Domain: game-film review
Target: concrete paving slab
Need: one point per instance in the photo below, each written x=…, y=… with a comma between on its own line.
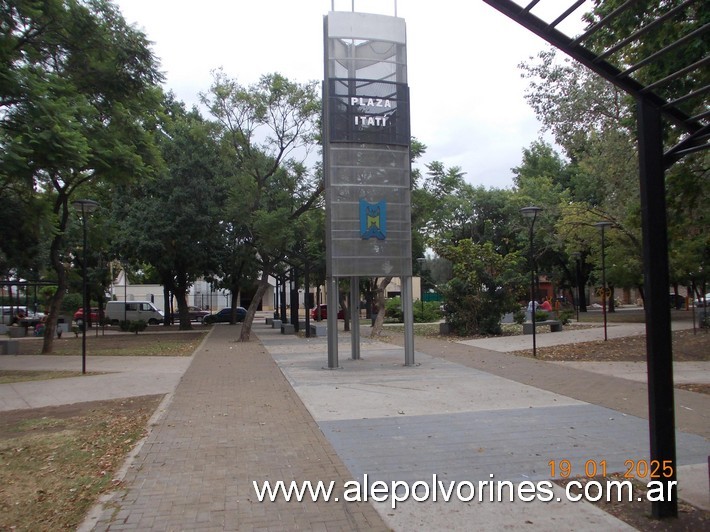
x=406, y=424
x=379, y=385
x=683, y=372
x=508, y=344
x=694, y=484
x=466, y=516
x=122, y=377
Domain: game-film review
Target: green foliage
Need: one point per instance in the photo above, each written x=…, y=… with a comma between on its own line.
x=124, y=325
x=519, y=316
x=482, y=289
x=78, y=92
x=541, y=315
x=71, y=302
x=467, y=310
x=263, y=128
x=393, y=310
x=431, y=312
x=565, y=316
x=137, y=326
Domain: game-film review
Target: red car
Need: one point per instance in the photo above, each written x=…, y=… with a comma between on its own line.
x=94, y=315
x=324, y=313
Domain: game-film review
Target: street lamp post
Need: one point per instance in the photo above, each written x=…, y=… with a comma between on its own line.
x=576, y=256
x=86, y=206
x=531, y=212
x=602, y=226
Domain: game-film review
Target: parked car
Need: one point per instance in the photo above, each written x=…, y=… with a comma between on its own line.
x=94, y=315
x=324, y=313
x=195, y=314
x=702, y=302
x=225, y=316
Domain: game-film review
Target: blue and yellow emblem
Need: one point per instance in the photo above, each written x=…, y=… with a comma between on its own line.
x=373, y=220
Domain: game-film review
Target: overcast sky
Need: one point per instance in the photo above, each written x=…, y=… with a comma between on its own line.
x=466, y=91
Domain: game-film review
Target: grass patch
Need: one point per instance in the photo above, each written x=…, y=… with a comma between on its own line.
x=158, y=344
x=56, y=461
x=9, y=376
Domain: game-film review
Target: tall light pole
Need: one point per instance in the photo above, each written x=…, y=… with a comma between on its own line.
x=576, y=256
x=602, y=226
x=86, y=206
x=531, y=212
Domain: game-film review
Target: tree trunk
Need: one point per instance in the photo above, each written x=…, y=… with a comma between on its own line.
x=251, y=311
x=55, y=304
x=380, y=304
x=611, y=299
x=342, y=299
x=180, y=295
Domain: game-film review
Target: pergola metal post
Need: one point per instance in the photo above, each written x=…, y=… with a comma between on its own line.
x=282, y=310
x=408, y=314
x=332, y=318
x=602, y=226
x=656, y=282
x=355, y=317
x=576, y=255
x=307, y=295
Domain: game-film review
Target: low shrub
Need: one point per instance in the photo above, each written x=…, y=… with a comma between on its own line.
x=565, y=316
x=137, y=326
x=540, y=315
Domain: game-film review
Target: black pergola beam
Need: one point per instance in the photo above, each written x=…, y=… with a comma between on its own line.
x=589, y=59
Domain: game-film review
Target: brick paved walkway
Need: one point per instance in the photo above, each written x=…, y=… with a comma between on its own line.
x=233, y=419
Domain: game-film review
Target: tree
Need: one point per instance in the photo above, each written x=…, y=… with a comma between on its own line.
x=268, y=128
x=77, y=86
x=481, y=289
x=172, y=222
x=595, y=124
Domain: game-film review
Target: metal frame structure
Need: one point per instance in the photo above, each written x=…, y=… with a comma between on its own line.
x=366, y=163
x=676, y=100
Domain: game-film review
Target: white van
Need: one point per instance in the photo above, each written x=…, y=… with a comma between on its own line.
x=117, y=311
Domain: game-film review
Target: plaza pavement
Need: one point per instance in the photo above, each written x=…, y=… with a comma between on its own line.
x=267, y=410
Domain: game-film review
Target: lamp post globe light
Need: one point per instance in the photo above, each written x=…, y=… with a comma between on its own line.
x=86, y=207
x=532, y=212
x=602, y=226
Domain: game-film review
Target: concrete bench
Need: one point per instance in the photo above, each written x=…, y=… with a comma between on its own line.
x=555, y=326
x=269, y=321
x=276, y=324
x=9, y=347
x=287, y=328
x=17, y=332
x=319, y=329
